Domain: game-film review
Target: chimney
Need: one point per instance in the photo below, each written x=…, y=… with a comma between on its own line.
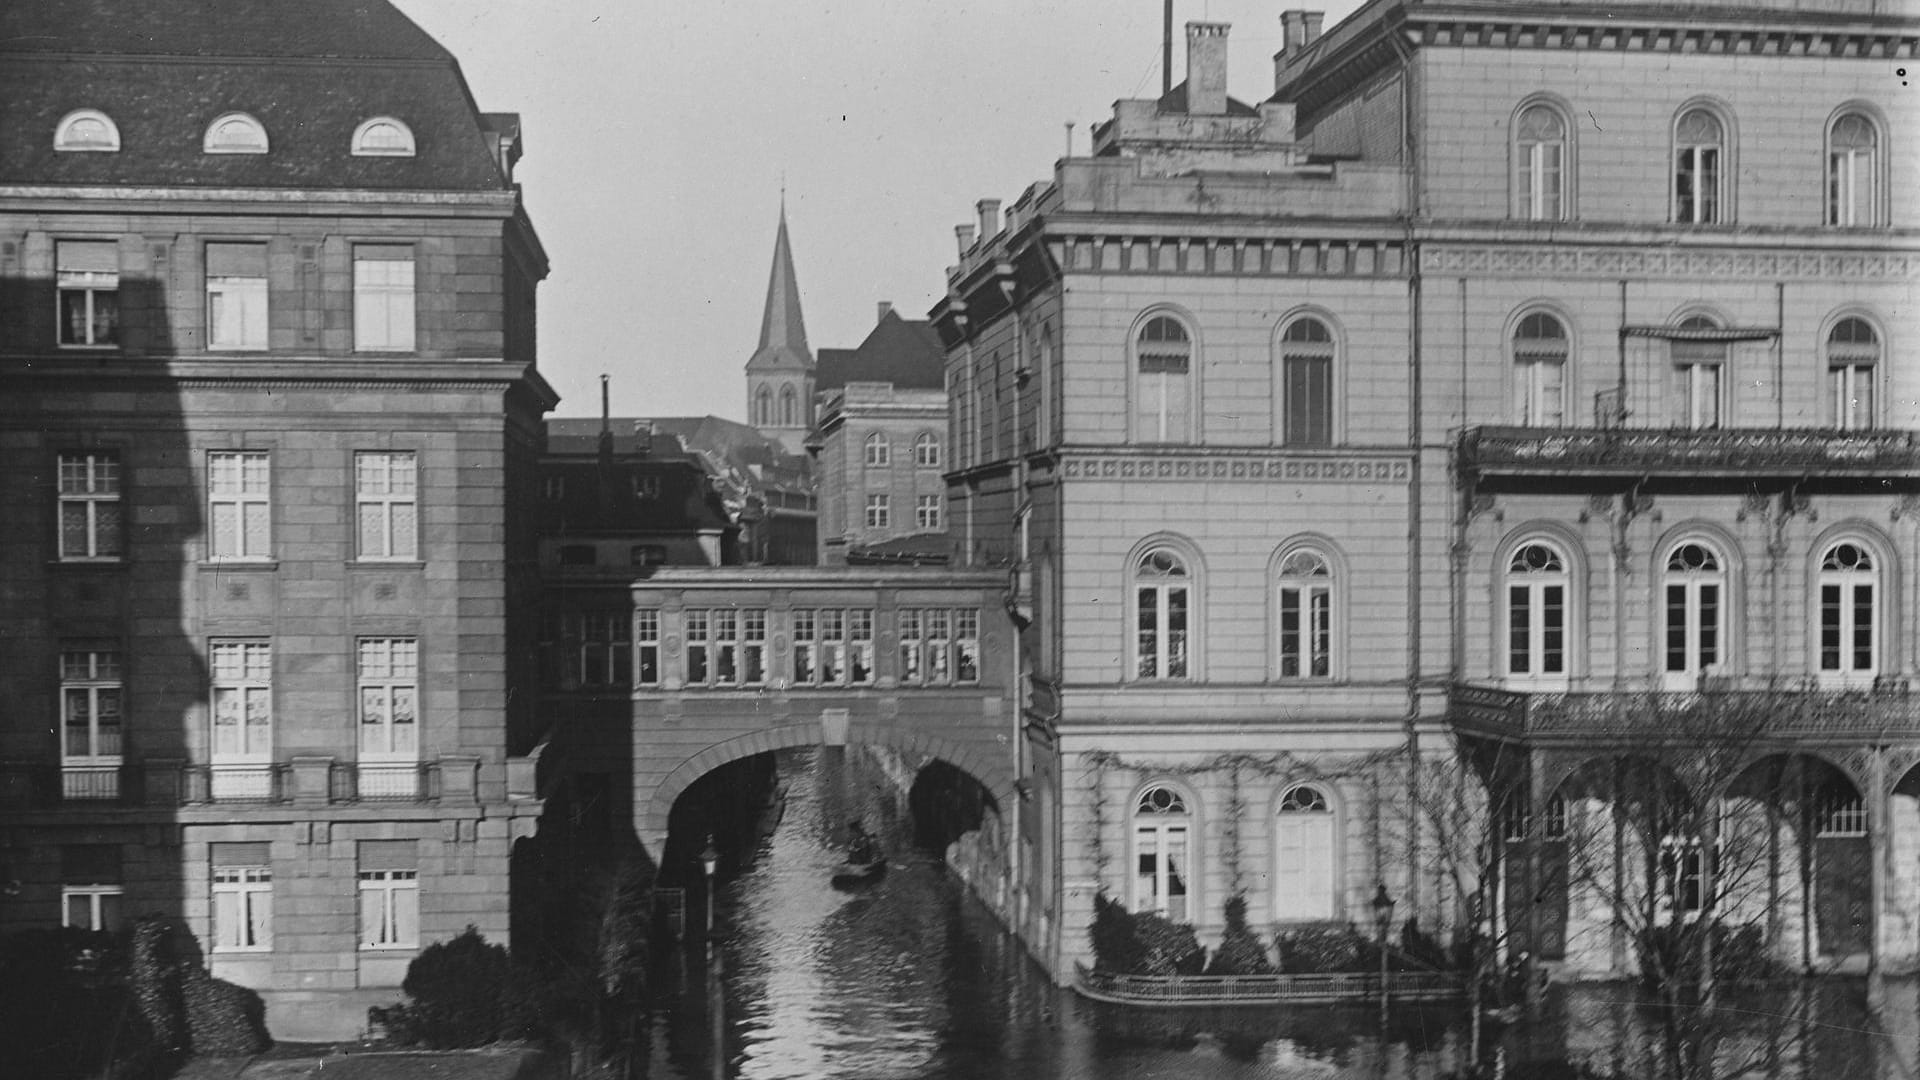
x=963, y=234
x=886, y=309
x=1299, y=30
x=1206, y=69
x=989, y=217
x=1314, y=21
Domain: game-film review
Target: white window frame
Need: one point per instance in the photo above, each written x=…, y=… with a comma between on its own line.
x=1532, y=589
x=89, y=488
x=386, y=495
x=394, y=896
x=241, y=673
x=245, y=295
x=879, y=511
x=99, y=293
x=646, y=645
x=1540, y=166
x=90, y=678
x=833, y=647
x=235, y=133
x=1853, y=375
x=726, y=647
x=388, y=708
x=1305, y=594
x=95, y=895
x=1695, y=158
x=1840, y=591
x=1304, y=891
x=66, y=141
x=1157, y=417
x=242, y=908
x=1307, y=353
x=1161, y=646
x=364, y=140
x=240, y=487
x=1161, y=828
x=1698, y=593
x=1853, y=175
x=1701, y=371
x=1540, y=370
x=385, y=309
x=878, y=451
x=926, y=511
x=926, y=451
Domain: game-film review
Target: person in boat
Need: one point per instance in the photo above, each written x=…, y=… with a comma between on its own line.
x=861, y=846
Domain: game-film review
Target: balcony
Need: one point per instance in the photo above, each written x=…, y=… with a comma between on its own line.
x=1751, y=713
x=367, y=782
x=37, y=785
x=1733, y=453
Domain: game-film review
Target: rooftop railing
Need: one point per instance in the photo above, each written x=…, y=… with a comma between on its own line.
x=1887, y=710
x=1733, y=452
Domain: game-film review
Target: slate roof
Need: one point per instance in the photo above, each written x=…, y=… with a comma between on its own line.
x=310, y=71
x=905, y=353
x=1174, y=102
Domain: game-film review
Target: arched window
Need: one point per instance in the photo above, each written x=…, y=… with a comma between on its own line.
x=763, y=407
x=1537, y=584
x=235, y=133
x=1699, y=168
x=1161, y=610
x=879, y=451
x=1306, y=615
x=1540, y=352
x=382, y=136
x=1849, y=583
x=789, y=407
x=1303, y=855
x=1306, y=370
x=1853, y=357
x=86, y=129
x=1694, y=590
x=1700, y=368
x=1539, y=160
x=1163, y=356
x=926, y=451
x=1162, y=830
x=1853, y=171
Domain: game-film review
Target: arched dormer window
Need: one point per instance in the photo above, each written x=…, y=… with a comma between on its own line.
x=926, y=451
x=1305, y=604
x=763, y=407
x=382, y=136
x=1307, y=372
x=86, y=130
x=1540, y=161
x=1162, y=839
x=1853, y=171
x=1849, y=607
x=1693, y=585
x=1163, y=388
x=1303, y=877
x=235, y=133
x=1538, y=584
x=1699, y=167
x=1853, y=358
x=1541, y=349
x=1162, y=614
x=879, y=452
x=789, y=407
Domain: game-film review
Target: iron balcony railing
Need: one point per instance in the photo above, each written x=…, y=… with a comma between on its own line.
x=1887, y=710
x=1728, y=452
x=1303, y=988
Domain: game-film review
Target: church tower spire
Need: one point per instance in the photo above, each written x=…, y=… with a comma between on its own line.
x=780, y=372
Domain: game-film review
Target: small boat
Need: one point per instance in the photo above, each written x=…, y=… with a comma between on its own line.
x=850, y=873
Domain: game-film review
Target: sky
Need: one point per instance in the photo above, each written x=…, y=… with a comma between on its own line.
x=659, y=136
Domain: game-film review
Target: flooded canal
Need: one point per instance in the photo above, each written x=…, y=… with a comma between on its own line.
x=907, y=977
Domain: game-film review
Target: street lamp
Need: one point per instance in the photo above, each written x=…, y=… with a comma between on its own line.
x=1382, y=918
x=709, y=860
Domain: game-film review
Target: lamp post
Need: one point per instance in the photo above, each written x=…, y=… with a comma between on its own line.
x=709, y=860
x=1382, y=918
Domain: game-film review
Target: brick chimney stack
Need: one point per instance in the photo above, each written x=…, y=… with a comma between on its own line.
x=1206, y=69
x=1299, y=29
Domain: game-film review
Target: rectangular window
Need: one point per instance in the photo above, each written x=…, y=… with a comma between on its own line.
x=383, y=315
x=879, y=512
x=89, y=288
x=389, y=699
x=90, y=717
x=386, y=493
x=242, y=701
x=726, y=646
x=1852, y=386
x=237, y=296
x=832, y=646
x=90, y=506
x=927, y=512
x=1306, y=635
x=939, y=646
x=1696, y=185
x=1700, y=395
x=1536, y=629
x=586, y=650
x=1309, y=400
x=646, y=641
x=389, y=895
x=242, y=897
x=238, y=506
x=1540, y=181
x=91, y=893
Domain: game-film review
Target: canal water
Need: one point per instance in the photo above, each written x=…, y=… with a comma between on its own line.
x=909, y=977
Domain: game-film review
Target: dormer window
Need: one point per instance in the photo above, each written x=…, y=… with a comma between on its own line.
x=382, y=136
x=87, y=129
x=235, y=133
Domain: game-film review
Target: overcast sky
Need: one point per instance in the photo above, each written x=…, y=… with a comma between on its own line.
x=658, y=133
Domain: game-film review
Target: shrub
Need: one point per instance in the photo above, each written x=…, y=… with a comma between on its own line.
x=1241, y=951
x=457, y=994
x=1322, y=947
x=1142, y=944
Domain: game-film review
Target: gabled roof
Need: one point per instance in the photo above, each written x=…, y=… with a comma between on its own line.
x=1175, y=101
x=898, y=351
x=783, y=333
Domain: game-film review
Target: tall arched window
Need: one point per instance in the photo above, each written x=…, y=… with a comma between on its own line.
x=1537, y=584
x=1303, y=855
x=1853, y=171
x=763, y=407
x=1161, y=611
x=1694, y=591
x=1540, y=352
x=1539, y=161
x=1849, y=582
x=879, y=452
x=1306, y=615
x=1853, y=358
x=926, y=451
x=789, y=407
x=1699, y=168
x=1162, y=828
x=1700, y=369
x=1306, y=367
x=1163, y=359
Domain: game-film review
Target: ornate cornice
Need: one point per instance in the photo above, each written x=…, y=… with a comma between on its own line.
x=1197, y=463
x=1624, y=29
x=1216, y=256
x=1510, y=260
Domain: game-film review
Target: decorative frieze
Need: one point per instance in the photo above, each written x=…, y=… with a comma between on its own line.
x=1230, y=256
x=1621, y=34
x=1202, y=465
x=1656, y=262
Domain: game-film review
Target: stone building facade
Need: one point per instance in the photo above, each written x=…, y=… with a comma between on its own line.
x=1505, y=395
x=267, y=342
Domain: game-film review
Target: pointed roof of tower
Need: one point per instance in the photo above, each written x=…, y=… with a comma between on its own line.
x=783, y=334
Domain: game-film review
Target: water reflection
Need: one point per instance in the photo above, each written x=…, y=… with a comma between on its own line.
x=907, y=977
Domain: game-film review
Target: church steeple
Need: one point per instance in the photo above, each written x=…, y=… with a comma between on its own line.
x=780, y=372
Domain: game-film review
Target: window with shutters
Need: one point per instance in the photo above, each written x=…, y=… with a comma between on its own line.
x=383, y=298
x=237, y=297
x=89, y=506
x=1303, y=879
x=1307, y=371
